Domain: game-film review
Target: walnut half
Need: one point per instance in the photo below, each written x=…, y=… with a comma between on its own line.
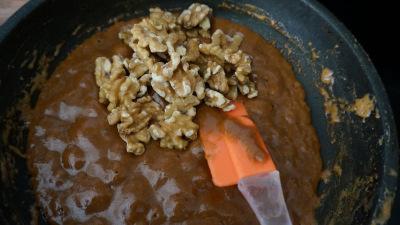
x=194, y=15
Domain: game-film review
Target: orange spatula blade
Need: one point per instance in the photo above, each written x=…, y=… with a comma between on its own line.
x=227, y=156
x=218, y=158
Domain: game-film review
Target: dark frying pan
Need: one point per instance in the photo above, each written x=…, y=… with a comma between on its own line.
x=367, y=151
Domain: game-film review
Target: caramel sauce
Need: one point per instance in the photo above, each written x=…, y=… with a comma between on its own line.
x=83, y=175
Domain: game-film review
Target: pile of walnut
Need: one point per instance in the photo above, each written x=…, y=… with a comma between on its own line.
x=176, y=65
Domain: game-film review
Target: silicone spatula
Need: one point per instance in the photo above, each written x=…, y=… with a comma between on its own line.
x=231, y=163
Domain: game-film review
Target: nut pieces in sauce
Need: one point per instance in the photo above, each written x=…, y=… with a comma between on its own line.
x=177, y=63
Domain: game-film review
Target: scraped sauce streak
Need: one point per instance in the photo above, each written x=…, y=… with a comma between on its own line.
x=82, y=173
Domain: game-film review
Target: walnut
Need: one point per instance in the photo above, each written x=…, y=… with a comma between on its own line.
x=192, y=70
x=194, y=15
x=248, y=89
x=156, y=132
x=133, y=120
x=174, y=56
x=135, y=66
x=181, y=50
x=232, y=81
x=205, y=24
x=175, y=59
x=115, y=86
x=162, y=19
x=216, y=99
x=102, y=70
x=154, y=93
x=184, y=105
x=126, y=35
x=253, y=92
x=197, y=32
x=177, y=37
x=192, y=50
x=226, y=48
x=233, y=92
x=199, y=88
x=143, y=54
x=178, y=129
x=215, y=77
x=242, y=62
x=160, y=83
x=128, y=89
x=134, y=116
x=214, y=48
x=222, y=45
x=134, y=142
x=151, y=32
x=196, y=20
x=144, y=81
x=183, y=82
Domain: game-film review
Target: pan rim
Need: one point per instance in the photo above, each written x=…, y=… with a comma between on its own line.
x=391, y=148
x=390, y=159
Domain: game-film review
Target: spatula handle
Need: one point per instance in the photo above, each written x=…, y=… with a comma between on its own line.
x=264, y=194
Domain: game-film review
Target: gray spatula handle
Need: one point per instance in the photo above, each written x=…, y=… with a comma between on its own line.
x=264, y=194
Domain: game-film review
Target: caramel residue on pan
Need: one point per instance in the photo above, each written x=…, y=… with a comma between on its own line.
x=393, y=173
x=325, y=175
x=327, y=76
x=337, y=170
x=261, y=15
x=314, y=52
x=377, y=114
x=364, y=106
x=332, y=110
x=330, y=106
x=385, y=209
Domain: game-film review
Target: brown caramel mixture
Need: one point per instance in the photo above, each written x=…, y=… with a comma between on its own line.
x=83, y=175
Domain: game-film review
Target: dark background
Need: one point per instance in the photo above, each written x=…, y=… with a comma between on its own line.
x=375, y=24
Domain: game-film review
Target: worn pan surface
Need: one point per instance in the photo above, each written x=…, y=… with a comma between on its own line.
x=41, y=34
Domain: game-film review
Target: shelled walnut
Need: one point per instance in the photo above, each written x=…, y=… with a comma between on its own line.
x=177, y=64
